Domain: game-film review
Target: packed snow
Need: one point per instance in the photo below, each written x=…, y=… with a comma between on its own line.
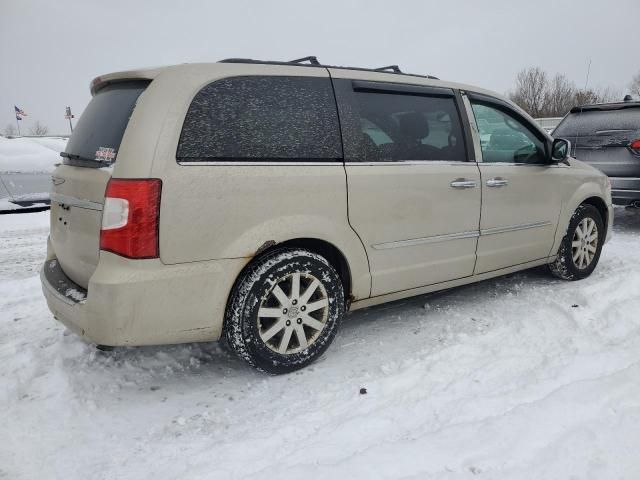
x=522, y=377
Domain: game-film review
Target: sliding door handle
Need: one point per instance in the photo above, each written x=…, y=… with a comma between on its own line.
x=497, y=182
x=463, y=183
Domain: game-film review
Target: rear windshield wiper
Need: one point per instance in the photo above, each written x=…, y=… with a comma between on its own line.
x=73, y=156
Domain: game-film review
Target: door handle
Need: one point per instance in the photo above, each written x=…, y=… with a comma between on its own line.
x=497, y=182
x=463, y=183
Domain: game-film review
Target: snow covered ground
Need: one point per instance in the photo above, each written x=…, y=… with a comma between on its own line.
x=522, y=377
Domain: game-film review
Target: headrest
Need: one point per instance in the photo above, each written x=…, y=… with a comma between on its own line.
x=413, y=125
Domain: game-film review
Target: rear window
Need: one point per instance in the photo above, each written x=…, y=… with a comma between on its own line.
x=594, y=121
x=262, y=118
x=97, y=136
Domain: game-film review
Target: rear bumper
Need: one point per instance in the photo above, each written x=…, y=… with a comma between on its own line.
x=143, y=302
x=625, y=190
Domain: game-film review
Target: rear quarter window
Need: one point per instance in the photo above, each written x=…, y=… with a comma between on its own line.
x=262, y=118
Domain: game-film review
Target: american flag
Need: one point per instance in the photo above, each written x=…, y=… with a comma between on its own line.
x=19, y=113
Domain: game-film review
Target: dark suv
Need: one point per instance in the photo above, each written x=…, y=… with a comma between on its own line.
x=607, y=136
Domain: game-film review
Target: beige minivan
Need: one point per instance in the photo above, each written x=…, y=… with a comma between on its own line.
x=259, y=201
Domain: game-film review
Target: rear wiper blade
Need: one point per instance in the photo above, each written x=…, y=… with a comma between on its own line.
x=73, y=156
x=613, y=130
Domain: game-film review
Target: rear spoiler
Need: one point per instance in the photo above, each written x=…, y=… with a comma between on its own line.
x=605, y=107
x=125, y=76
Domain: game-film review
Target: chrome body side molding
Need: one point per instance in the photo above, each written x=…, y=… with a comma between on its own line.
x=457, y=236
x=513, y=228
x=421, y=241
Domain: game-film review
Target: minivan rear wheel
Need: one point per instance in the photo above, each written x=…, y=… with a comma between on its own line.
x=285, y=310
x=580, y=250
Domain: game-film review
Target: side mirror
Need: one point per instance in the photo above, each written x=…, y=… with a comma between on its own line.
x=561, y=151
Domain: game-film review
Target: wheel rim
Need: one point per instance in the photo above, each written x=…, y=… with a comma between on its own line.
x=585, y=243
x=293, y=313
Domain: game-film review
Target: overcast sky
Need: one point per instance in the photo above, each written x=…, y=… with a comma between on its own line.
x=50, y=50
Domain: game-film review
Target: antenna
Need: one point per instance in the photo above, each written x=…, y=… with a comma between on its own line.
x=586, y=82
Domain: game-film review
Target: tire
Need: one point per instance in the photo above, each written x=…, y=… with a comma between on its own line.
x=565, y=266
x=270, y=326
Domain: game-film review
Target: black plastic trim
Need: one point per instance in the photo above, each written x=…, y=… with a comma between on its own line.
x=466, y=126
x=62, y=284
x=604, y=107
x=230, y=160
x=402, y=89
x=251, y=61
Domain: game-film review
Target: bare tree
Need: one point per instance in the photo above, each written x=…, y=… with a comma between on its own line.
x=609, y=94
x=559, y=97
x=541, y=97
x=39, y=129
x=583, y=97
x=10, y=130
x=598, y=95
x=634, y=86
x=531, y=85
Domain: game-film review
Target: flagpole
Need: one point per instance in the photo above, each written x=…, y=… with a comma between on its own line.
x=18, y=124
x=69, y=116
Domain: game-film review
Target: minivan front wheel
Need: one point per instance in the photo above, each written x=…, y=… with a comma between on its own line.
x=285, y=310
x=580, y=250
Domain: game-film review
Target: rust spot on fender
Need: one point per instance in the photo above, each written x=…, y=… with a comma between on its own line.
x=264, y=246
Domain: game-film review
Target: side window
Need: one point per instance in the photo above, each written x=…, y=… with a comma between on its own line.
x=262, y=118
x=506, y=140
x=397, y=127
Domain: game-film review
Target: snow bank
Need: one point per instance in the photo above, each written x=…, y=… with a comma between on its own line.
x=521, y=377
x=30, y=154
x=57, y=144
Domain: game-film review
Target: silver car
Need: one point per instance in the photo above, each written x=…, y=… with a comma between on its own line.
x=26, y=164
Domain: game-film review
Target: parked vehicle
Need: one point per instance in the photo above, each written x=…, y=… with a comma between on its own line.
x=607, y=136
x=259, y=201
x=549, y=123
x=26, y=164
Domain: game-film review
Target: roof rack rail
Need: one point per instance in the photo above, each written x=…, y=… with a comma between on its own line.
x=390, y=68
x=312, y=61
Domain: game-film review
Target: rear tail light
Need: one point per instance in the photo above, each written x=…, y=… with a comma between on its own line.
x=130, y=218
x=635, y=146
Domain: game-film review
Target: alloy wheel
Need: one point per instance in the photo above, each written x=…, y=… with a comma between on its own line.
x=293, y=313
x=584, y=244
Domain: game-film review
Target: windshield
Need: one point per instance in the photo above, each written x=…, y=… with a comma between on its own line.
x=96, y=139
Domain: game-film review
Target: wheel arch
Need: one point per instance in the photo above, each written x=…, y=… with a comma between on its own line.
x=328, y=250
x=589, y=193
x=601, y=206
